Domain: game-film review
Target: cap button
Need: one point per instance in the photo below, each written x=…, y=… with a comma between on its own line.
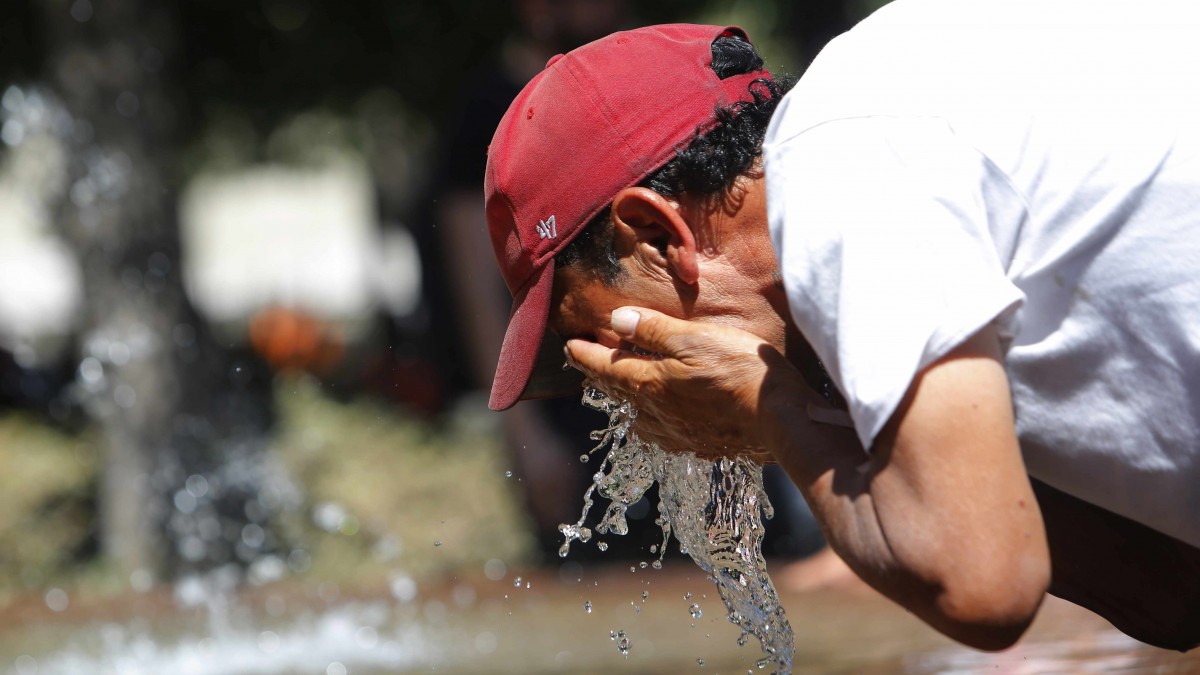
x=554, y=59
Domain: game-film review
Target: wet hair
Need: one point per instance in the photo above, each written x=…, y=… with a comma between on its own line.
x=707, y=166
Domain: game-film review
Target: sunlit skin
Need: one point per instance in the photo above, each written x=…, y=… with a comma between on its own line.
x=667, y=268
x=720, y=273
x=939, y=516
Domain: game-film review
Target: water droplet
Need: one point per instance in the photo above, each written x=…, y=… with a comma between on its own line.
x=13, y=133
x=26, y=665
x=587, y=606
x=695, y=611
x=643, y=564
x=91, y=371
x=623, y=643
x=495, y=569
x=141, y=580
x=328, y=516
x=268, y=641
x=583, y=458
x=185, y=502
x=508, y=474
x=602, y=545
x=253, y=536
x=700, y=662
x=687, y=596
x=56, y=599
x=517, y=582
x=438, y=542
x=632, y=568
x=81, y=10
x=654, y=548
x=366, y=637
x=645, y=595
x=403, y=587
x=196, y=485
x=657, y=564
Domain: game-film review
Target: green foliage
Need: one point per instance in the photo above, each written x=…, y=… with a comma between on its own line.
x=399, y=486
x=47, y=500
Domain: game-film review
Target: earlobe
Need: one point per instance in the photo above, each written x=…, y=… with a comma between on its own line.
x=656, y=227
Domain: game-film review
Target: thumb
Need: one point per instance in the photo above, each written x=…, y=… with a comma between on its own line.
x=647, y=328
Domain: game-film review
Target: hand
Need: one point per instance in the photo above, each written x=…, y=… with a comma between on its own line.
x=697, y=389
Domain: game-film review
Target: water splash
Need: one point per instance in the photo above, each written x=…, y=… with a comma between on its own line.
x=711, y=507
x=306, y=643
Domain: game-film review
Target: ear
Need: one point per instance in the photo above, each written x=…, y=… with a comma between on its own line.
x=653, y=226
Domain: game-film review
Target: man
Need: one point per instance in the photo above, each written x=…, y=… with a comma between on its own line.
x=981, y=219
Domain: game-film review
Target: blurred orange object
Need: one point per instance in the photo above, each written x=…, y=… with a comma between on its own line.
x=290, y=339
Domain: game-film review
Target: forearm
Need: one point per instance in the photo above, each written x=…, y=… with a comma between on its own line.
x=908, y=536
x=831, y=469
x=939, y=515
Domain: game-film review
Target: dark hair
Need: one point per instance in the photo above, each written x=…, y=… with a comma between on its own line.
x=709, y=165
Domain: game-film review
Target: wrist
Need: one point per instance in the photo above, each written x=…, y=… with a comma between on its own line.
x=783, y=399
x=801, y=428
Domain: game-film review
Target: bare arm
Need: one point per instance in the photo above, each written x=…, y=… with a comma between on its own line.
x=940, y=516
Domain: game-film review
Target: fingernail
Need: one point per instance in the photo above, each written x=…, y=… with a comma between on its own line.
x=624, y=321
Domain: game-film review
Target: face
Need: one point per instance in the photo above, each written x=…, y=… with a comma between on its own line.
x=581, y=306
x=736, y=286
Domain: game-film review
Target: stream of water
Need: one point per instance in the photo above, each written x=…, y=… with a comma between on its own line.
x=713, y=508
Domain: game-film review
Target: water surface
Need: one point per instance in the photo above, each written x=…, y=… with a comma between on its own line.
x=482, y=626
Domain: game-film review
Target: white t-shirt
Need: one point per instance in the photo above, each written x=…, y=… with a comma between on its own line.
x=951, y=163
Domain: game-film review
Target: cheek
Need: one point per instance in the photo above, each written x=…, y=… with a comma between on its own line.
x=586, y=316
x=571, y=316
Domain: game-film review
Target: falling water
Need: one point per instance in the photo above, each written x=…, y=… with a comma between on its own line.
x=712, y=508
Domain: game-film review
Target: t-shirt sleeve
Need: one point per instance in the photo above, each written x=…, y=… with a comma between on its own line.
x=884, y=230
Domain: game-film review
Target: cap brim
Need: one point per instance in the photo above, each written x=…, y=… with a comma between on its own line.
x=550, y=378
x=531, y=366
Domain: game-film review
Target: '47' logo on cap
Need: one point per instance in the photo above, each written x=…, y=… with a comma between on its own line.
x=546, y=229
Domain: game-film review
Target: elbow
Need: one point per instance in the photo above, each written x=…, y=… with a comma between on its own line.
x=991, y=620
x=991, y=609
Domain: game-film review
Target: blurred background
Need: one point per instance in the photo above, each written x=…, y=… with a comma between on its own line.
x=248, y=318
x=248, y=312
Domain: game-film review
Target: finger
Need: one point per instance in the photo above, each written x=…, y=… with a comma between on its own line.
x=586, y=356
x=613, y=368
x=651, y=330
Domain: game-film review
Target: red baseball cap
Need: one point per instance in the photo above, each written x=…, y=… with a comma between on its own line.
x=595, y=121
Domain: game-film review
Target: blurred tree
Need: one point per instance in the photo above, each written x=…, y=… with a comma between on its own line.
x=183, y=418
